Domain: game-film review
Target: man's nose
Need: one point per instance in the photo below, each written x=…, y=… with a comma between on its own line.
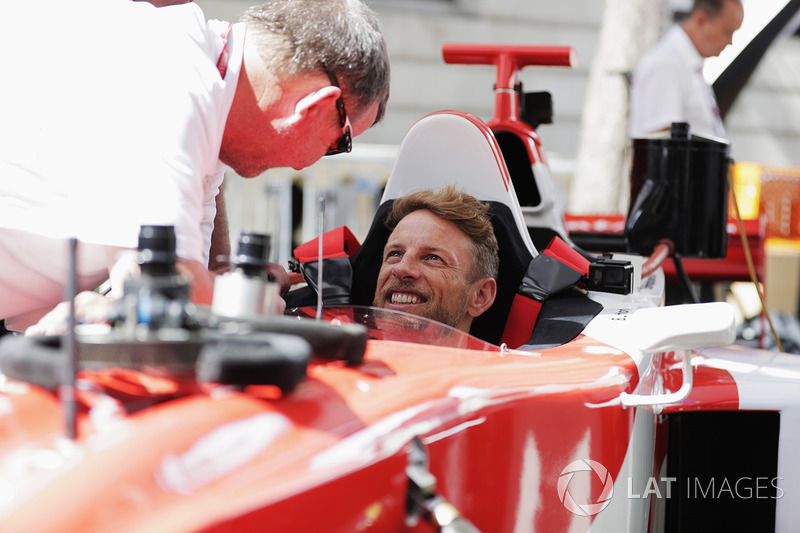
x=406, y=268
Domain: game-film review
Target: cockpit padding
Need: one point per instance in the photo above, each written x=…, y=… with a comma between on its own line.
x=562, y=318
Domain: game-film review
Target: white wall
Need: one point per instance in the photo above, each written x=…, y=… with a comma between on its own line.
x=764, y=122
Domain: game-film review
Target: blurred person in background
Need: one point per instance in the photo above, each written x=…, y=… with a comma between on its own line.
x=668, y=84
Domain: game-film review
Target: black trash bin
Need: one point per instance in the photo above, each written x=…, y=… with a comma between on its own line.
x=679, y=191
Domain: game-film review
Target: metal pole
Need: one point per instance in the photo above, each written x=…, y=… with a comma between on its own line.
x=67, y=389
x=321, y=230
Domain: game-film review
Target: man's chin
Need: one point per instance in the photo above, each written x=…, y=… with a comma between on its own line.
x=253, y=172
x=414, y=309
x=418, y=309
x=250, y=172
x=424, y=311
x=244, y=170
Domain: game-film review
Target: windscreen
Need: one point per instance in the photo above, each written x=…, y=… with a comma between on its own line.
x=386, y=324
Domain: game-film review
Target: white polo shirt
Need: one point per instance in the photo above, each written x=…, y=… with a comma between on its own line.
x=112, y=117
x=668, y=86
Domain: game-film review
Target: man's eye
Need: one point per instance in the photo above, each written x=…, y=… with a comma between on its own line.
x=434, y=257
x=393, y=255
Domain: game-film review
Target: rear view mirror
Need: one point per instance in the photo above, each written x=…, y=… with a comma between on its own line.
x=677, y=328
x=684, y=327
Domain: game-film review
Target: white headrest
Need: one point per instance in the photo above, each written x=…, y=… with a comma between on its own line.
x=455, y=148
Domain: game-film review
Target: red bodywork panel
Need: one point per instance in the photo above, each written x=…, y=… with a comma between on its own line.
x=714, y=389
x=331, y=456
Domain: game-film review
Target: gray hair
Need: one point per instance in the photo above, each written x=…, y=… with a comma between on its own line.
x=300, y=36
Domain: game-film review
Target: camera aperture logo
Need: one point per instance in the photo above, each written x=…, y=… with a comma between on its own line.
x=575, y=504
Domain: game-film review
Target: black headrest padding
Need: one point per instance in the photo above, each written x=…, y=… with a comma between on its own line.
x=368, y=259
x=518, y=161
x=514, y=260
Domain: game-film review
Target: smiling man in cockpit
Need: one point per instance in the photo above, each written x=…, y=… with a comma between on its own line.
x=441, y=259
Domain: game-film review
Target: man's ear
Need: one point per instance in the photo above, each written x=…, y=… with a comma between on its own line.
x=702, y=18
x=316, y=102
x=482, y=295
